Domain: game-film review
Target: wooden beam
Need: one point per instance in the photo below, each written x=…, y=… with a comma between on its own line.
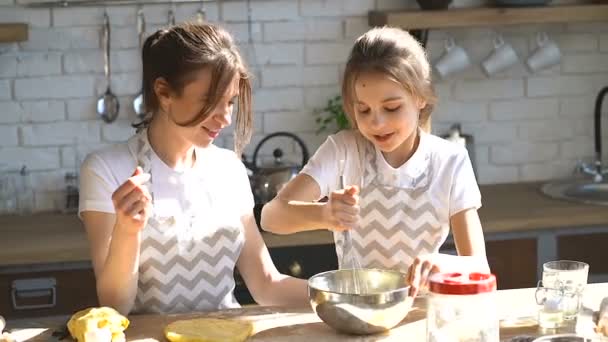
x=468, y=17
x=13, y=32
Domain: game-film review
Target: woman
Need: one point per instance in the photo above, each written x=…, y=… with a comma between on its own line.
x=168, y=214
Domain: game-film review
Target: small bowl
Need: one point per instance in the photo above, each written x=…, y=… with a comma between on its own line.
x=381, y=301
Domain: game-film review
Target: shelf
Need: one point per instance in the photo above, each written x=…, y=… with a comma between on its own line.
x=13, y=32
x=486, y=16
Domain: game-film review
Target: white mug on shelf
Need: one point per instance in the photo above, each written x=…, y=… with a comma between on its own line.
x=454, y=59
x=546, y=54
x=502, y=57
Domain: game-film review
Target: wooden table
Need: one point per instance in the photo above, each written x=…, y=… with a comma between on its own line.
x=517, y=310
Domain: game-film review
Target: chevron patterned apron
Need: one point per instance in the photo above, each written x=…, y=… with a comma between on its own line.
x=186, y=260
x=396, y=223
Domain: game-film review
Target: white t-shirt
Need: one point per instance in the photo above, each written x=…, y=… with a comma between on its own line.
x=218, y=176
x=453, y=185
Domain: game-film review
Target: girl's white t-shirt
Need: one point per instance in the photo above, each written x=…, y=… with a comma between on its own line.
x=218, y=176
x=453, y=186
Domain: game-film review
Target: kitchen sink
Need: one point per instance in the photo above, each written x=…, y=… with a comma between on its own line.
x=578, y=190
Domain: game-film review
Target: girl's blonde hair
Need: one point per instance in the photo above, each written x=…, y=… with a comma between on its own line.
x=396, y=54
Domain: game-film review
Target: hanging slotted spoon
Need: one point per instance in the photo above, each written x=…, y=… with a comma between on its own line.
x=107, y=104
x=138, y=103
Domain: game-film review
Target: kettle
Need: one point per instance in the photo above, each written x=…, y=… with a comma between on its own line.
x=267, y=180
x=466, y=140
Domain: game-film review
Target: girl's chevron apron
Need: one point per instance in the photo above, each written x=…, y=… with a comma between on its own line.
x=396, y=223
x=186, y=260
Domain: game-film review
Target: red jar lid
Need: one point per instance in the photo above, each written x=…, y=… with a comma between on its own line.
x=462, y=283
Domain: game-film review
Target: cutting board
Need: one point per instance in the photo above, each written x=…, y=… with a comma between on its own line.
x=280, y=324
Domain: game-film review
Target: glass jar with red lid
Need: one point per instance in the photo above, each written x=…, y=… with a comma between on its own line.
x=462, y=307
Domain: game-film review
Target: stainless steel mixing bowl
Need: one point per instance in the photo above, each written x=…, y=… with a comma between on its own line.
x=380, y=302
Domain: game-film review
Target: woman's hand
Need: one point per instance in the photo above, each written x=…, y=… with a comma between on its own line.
x=342, y=209
x=132, y=202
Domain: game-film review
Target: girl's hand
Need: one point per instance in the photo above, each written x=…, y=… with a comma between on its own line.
x=342, y=209
x=132, y=202
x=420, y=271
x=426, y=265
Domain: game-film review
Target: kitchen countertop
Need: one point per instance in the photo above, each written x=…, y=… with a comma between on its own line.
x=59, y=238
x=515, y=308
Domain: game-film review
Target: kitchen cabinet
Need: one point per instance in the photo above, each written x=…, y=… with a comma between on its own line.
x=297, y=261
x=27, y=292
x=590, y=248
x=513, y=261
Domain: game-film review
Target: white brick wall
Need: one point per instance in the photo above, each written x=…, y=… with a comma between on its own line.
x=293, y=76
x=523, y=109
x=585, y=63
x=10, y=112
x=8, y=66
x=8, y=136
x=90, y=61
x=279, y=53
x=5, y=89
x=55, y=87
x=40, y=158
x=327, y=53
x=59, y=39
x=604, y=42
x=42, y=111
x=527, y=126
x=61, y=133
x=521, y=152
x=303, y=30
x=577, y=42
x=488, y=89
x=39, y=64
x=34, y=17
x=560, y=85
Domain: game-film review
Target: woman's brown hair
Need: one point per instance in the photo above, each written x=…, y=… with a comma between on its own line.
x=396, y=54
x=176, y=52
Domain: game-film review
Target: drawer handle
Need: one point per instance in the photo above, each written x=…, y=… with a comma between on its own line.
x=34, y=288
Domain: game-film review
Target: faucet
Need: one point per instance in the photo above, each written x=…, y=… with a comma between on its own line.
x=596, y=169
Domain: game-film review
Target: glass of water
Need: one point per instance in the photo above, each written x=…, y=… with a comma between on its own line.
x=570, y=277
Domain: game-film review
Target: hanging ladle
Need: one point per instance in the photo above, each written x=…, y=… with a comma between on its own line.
x=107, y=104
x=171, y=17
x=138, y=103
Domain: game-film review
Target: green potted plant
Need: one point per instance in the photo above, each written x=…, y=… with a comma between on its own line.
x=332, y=116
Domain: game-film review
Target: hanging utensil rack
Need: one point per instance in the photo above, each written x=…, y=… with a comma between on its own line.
x=102, y=3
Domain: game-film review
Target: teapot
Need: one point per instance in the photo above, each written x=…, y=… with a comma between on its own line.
x=266, y=180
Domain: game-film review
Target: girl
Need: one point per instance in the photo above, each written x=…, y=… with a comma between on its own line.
x=407, y=187
x=167, y=236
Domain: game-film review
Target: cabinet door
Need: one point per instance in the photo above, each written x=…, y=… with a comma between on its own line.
x=297, y=261
x=589, y=248
x=513, y=261
x=46, y=293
